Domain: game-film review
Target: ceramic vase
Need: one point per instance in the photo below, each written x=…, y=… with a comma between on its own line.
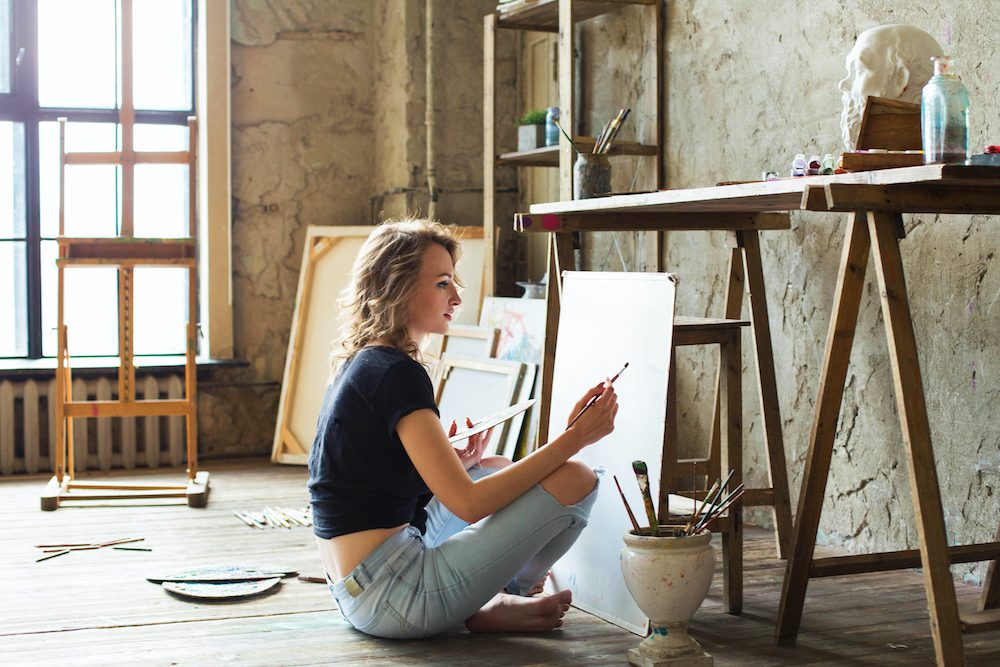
x=668, y=578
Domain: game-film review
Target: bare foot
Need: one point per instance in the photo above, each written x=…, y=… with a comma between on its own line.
x=539, y=585
x=513, y=613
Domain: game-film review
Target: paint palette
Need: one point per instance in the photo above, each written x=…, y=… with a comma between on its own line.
x=491, y=421
x=224, y=573
x=220, y=591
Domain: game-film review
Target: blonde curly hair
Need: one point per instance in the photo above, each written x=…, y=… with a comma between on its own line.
x=375, y=303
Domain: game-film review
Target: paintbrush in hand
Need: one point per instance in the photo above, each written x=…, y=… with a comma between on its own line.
x=594, y=399
x=642, y=476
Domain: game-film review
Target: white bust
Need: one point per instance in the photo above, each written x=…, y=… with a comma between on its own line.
x=891, y=61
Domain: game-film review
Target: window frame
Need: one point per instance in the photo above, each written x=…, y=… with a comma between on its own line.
x=209, y=62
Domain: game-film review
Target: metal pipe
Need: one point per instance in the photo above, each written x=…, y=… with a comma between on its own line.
x=429, y=110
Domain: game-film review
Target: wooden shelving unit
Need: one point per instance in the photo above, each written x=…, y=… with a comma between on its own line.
x=554, y=16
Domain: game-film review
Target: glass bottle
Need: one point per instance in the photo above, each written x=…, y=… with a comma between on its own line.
x=551, y=129
x=944, y=115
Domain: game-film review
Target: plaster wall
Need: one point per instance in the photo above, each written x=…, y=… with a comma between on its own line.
x=749, y=85
x=328, y=107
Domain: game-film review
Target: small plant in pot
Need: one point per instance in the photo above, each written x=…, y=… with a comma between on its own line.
x=531, y=130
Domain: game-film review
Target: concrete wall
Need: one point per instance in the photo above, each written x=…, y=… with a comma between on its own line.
x=328, y=129
x=750, y=84
x=328, y=112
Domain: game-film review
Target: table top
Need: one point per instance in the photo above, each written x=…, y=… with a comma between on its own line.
x=885, y=189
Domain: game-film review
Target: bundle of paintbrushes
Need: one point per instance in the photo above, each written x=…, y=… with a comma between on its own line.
x=53, y=550
x=610, y=131
x=716, y=501
x=276, y=517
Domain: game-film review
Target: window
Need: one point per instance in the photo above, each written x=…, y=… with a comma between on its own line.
x=63, y=58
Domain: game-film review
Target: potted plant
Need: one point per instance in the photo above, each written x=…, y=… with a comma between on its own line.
x=531, y=130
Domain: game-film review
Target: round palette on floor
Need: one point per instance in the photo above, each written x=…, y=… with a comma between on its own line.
x=220, y=591
x=224, y=573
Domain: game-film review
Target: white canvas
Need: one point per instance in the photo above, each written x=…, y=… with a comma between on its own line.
x=606, y=320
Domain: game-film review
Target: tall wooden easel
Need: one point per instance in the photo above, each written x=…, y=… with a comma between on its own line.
x=126, y=251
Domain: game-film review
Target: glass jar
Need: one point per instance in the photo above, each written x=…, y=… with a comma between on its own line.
x=591, y=176
x=551, y=129
x=944, y=115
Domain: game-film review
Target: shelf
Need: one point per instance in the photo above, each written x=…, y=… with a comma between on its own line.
x=543, y=15
x=548, y=156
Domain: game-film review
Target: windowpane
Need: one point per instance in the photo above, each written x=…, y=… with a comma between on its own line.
x=77, y=45
x=90, y=307
x=160, y=310
x=148, y=137
x=13, y=300
x=161, y=200
x=161, y=61
x=92, y=191
x=12, y=218
x=5, y=45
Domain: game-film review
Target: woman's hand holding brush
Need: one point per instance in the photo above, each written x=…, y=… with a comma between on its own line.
x=596, y=421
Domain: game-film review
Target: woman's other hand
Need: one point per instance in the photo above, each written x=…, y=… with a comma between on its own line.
x=599, y=420
x=472, y=453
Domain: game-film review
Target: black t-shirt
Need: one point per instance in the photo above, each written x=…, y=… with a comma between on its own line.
x=360, y=476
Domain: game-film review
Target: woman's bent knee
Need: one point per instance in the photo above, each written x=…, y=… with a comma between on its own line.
x=495, y=462
x=571, y=482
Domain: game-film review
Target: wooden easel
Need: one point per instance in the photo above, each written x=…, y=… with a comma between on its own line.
x=745, y=281
x=126, y=252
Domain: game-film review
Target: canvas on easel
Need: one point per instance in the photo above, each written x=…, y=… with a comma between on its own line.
x=606, y=320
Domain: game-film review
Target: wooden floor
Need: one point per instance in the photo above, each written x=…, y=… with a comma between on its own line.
x=96, y=608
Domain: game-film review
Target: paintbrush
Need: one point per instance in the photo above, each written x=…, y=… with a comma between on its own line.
x=600, y=137
x=701, y=507
x=631, y=517
x=715, y=502
x=722, y=508
x=616, y=125
x=642, y=476
x=571, y=142
x=718, y=508
x=607, y=133
x=594, y=399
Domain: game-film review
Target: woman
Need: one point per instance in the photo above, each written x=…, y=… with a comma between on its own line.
x=415, y=535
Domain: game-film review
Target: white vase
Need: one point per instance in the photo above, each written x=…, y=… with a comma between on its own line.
x=669, y=578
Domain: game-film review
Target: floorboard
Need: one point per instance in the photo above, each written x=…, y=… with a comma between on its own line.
x=96, y=607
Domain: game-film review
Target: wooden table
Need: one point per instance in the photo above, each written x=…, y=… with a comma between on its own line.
x=876, y=201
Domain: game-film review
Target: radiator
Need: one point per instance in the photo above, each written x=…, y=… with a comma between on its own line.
x=28, y=419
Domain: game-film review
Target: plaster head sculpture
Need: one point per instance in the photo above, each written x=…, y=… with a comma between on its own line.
x=892, y=61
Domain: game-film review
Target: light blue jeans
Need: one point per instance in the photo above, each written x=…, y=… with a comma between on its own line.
x=415, y=585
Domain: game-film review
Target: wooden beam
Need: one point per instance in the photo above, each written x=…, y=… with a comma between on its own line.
x=127, y=408
x=567, y=103
x=898, y=560
x=680, y=221
x=925, y=490
x=927, y=198
x=489, y=150
x=981, y=621
x=138, y=157
x=839, y=341
x=767, y=386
